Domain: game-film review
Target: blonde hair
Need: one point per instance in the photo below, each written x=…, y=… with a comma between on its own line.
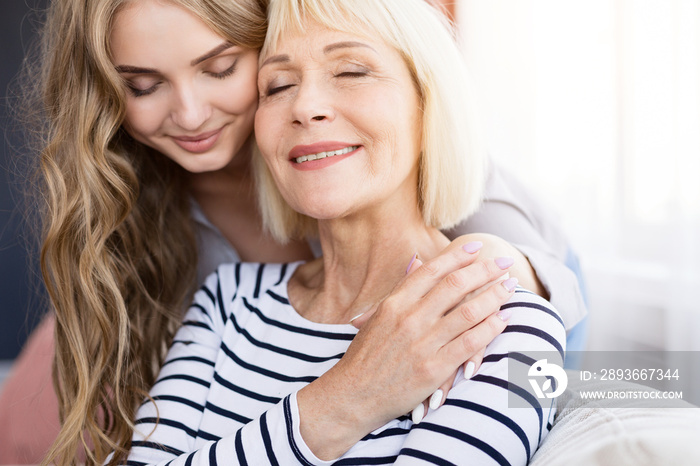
x=119, y=254
x=452, y=164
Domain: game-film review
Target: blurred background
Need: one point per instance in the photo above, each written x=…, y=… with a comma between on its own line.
x=595, y=104
x=21, y=305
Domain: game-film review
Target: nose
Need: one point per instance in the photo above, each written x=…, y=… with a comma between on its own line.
x=313, y=103
x=190, y=108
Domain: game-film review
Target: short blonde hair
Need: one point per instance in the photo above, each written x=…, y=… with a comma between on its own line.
x=452, y=163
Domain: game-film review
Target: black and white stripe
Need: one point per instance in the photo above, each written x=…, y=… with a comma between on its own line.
x=227, y=391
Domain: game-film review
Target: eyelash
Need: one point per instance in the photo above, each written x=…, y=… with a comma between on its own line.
x=352, y=74
x=222, y=75
x=140, y=93
x=347, y=74
x=226, y=73
x=275, y=90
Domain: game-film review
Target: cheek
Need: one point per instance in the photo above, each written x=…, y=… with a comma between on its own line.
x=388, y=123
x=143, y=119
x=265, y=131
x=241, y=98
x=410, y=123
x=397, y=128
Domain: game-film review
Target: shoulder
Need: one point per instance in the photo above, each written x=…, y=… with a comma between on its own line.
x=535, y=322
x=531, y=306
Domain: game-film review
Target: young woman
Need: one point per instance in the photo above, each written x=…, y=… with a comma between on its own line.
x=368, y=142
x=141, y=181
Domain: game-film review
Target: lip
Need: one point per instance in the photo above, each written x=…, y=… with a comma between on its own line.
x=199, y=143
x=324, y=146
x=315, y=148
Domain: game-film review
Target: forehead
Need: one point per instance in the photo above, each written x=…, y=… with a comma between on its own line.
x=282, y=34
x=318, y=41
x=157, y=25
x=157, y=20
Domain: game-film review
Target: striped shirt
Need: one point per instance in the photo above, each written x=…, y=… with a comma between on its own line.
x=226, y=393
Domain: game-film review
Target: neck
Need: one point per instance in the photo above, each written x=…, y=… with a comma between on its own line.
x=364, y=257
x=232, y=179
x=228, y=199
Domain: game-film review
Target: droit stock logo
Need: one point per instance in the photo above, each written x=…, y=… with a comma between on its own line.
x=543, y=372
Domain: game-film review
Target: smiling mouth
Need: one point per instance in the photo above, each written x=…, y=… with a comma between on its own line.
x=197, y=138
x=200, y=143
x=323, y=155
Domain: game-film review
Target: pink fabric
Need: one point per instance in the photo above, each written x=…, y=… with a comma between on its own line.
x=28, y=405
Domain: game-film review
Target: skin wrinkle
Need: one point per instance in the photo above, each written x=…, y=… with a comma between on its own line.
x=388, y=141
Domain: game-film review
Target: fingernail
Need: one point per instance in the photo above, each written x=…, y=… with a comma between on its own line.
x=472, y=247
x=436, y=399
x=417, y=413
x=510, y=284
x=357, y=316
x=504, y=315
x=469, y=370
x=504, y=262
x=413, y=259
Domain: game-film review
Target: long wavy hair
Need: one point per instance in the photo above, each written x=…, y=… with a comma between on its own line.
x=118, y=255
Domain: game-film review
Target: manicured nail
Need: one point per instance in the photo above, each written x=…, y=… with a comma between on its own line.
x=504, y=262
x=469, y=370
x=417, y=413
x=504, y=315
x=413, y=259
x=472, y=247
x=436, y=399
x=357, y=316
x=510, y=284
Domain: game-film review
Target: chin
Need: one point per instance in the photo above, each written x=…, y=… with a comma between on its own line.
x=321, y=212
x=204, y=164
x=332, y=204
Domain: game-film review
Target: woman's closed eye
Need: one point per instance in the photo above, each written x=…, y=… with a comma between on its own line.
x=143, y=89
x=352, y=71
x=351, y=74
x=225, y=73
x=276, y=89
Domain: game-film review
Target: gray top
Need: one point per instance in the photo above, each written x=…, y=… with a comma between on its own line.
x=508, y=211
x=212, y=247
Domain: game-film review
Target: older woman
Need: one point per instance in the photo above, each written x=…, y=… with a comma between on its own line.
x=362, y=126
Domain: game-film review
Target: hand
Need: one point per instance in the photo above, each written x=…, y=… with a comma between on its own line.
x=469, y=368
x=414, y=339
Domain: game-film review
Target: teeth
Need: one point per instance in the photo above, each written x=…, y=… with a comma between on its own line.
x=322, y=155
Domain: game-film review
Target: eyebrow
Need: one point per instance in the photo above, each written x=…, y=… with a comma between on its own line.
x=326, y=50
x=343, y=45
x=275, y=59
x=134, y=69
x=212, y=53
x=139, y=70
